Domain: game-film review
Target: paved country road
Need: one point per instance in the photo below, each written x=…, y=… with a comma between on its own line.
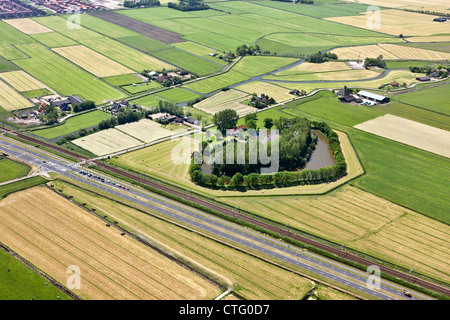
x=225, y=230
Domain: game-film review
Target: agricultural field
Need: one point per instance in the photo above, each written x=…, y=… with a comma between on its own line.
x=275, y=91
x=58, y=73
x=231, y=99
x=10, y=99
x=358, y=219
x=73, y=124
x=145, y=130
x=21, y=81
x=389, y=52
x=259, y=65
x=409, y=132
x=434, y=99
x=28, y=26
x=122, y=137
x=262, y=281
x=396, y=22
x=217, y=82
x=349, y=75
x=93, y=62
x=107, y=142
x=53, y=234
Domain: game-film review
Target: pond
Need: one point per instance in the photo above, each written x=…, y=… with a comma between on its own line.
x=322, y=155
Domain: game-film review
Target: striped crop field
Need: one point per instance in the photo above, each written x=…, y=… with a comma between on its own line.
x=363, y=222
x=389, y=52
x=252, y=278
x=53, y=234
x=107, y=141
x=10, y=99
x=22, y=81
x=92, y=61
x=231, y=99
x=145, y=130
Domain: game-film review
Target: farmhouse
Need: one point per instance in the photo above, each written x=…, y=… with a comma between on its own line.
x=373, y=97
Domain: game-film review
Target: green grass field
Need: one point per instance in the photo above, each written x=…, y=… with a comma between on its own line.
x=177, y=95
x=59, y=74
x=258, y=65
x=74, y=124
x=141, y=87
x=19, y=282
x=54, y=39
x=21, y=185
x=10, y=170
x=217, y=82
x=434, y=99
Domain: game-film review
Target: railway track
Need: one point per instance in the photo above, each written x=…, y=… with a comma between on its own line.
x=256, y=222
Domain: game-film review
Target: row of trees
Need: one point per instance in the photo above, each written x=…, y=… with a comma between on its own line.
x=188, y=5
x=140, y=3
x=83, y=106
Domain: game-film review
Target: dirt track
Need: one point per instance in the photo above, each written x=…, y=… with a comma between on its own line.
x=140, y=27
x=231, y=213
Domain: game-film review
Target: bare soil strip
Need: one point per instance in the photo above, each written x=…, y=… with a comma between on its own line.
x=140, y=27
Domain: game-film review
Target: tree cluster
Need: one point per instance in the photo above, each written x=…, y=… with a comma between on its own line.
x=245, y=50
x=321, y=57
x=247, y=179
x=375, y=62
x=188, y=5
x=261, y=101
x=429, y=70
x=85, y=105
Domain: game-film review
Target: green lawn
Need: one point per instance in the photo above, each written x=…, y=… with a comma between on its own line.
x=5, y=65
x=37, y=93
x=10, y=170
x=122, y=80
x=73, y=124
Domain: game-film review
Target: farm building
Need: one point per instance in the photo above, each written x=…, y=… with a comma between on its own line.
x=424, y=78
x=373, y=97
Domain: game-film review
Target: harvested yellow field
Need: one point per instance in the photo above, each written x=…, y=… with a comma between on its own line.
x=106, y=142
x=309, y=67
x=279, y=93
x=409, y=132
x=363, y=222
x=231, y=99
x=28, y=26
x=430, y=39
x=10, y=99
x=260, y=282
x=53, y=234
x=92, y=61
x=145, y=130
x=22, y=81
x=328, y=76
x=431, y=5
x=396, y=22
x=389, y=52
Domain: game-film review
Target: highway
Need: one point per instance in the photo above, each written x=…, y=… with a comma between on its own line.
x=224, y=230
